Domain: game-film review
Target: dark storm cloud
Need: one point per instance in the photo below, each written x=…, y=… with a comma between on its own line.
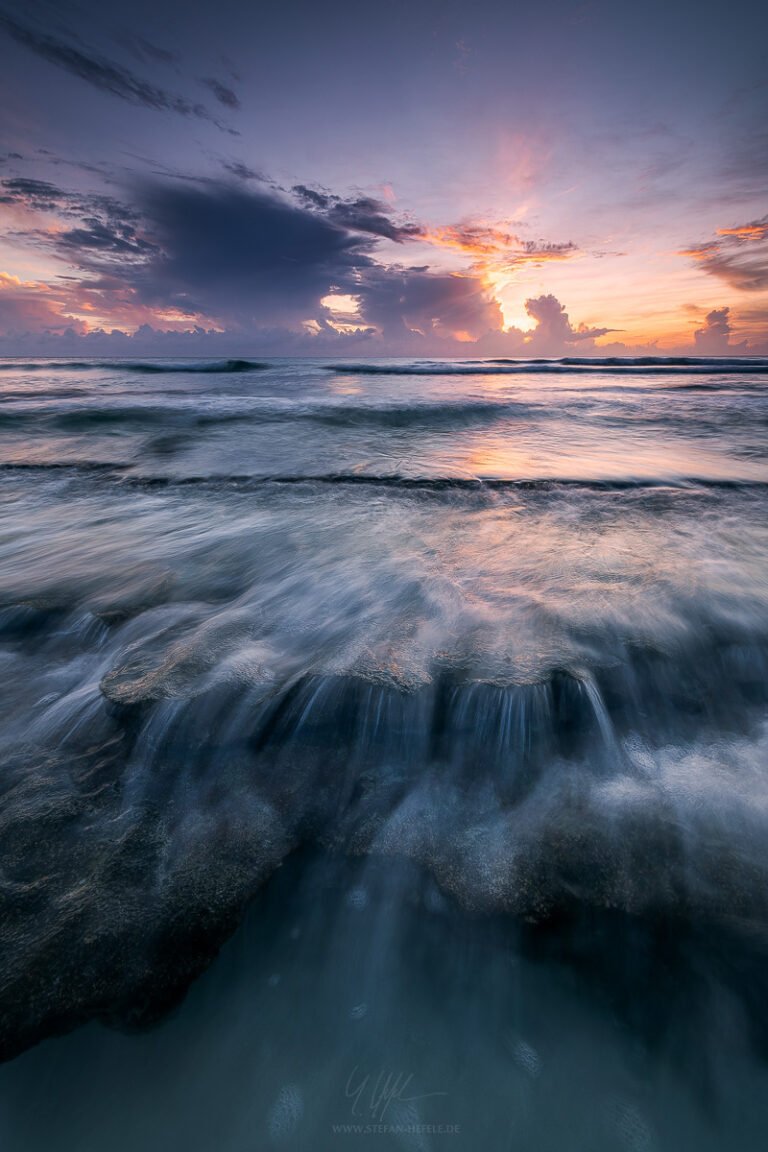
x=360, y=214
x=215, y=248
x=223, y=94
x=246, y=255
x=240, y=253
x=100, y=72
x=251, y=256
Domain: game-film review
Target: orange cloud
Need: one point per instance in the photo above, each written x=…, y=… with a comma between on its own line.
x=32, y=306
x=702, y=252
x=496, y=245
x=756, y=230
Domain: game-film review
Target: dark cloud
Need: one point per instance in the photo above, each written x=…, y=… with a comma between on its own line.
x=222, y=250
x=223, y=94
x=39, y=195
x=104, y=227
x=367, y=215
x=246, y=255
x=242, y=171
x=312, y=197
x=397, y=300
x=104, y=237
x=43, y=196
x=360, y=214
x=101, y=72
x=243, y=253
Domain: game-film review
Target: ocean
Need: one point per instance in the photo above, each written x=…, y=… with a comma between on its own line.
x=385, y=760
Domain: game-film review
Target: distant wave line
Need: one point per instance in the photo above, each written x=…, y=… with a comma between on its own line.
x=144, y=366
x=645, y=366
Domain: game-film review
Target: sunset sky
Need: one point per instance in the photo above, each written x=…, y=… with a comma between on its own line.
x=432, y=177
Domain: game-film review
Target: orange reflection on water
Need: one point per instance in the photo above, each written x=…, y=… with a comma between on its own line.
x=530, y=454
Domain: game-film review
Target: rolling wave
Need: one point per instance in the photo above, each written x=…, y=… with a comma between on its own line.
x=144, y=366
x=393, y=415
x=122, y=473
x=645, y=365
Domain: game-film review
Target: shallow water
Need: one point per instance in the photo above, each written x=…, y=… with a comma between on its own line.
x=455, y=676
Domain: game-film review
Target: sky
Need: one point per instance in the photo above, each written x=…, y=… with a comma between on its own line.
x=401, y=177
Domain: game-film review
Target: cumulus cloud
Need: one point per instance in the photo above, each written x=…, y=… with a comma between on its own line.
x=554, y=328
x=714, y=338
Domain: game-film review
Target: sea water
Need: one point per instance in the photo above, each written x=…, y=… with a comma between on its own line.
x=384, y=755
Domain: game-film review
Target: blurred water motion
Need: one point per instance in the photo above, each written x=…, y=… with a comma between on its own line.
x=480, y=658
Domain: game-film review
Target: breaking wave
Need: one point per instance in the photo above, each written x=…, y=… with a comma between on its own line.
x=184, y=765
